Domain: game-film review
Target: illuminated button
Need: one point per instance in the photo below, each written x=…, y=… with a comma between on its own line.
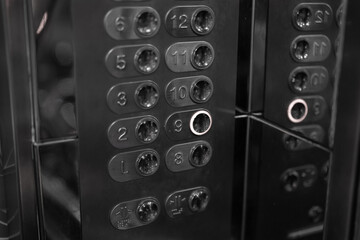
x=297, y=110
x=200, y=123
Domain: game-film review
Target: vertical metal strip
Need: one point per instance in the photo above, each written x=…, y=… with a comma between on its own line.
x=244, y=212
x=18, y=54
x=31, y=45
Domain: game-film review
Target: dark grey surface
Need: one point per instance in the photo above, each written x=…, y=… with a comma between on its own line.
x=252, y=55
x=272, y=212
x=17, y=169
x=342, y=220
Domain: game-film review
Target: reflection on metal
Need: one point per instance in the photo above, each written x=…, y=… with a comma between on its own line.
x=17, y=173
x=300, y=234
x=60, y=190
x=284, y=130
x=54, y=85
x=55, y=135
x=56, y=141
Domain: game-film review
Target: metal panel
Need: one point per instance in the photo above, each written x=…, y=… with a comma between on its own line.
x=342, y=218
x=252, y=55
x=16, y=123
x=301, y=35
x=60, y=190
x=286, y=185
x=99, y=193
x=9, y=199
x=53, y=70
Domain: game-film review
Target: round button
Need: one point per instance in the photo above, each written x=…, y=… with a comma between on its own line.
x=147, y=95
x=148, y=163
x=203, y=21
x=147, y=59
x=198, y=200
x=148, y=210
x=147, y=130
x=200, y=154
x=202, y=56
x=147, y=23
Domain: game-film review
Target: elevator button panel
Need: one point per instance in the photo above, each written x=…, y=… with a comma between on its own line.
x=131, y=132
x=307, y=80
x=306, y=109
x=189, y=21
x=313, y=132
x=304, y=38
x=299, y=178
x=124, y=23
x=312, y=16
x=188, y=91
x=310, y=48
x=134, y=165
x=288, y=179
x=134, y=60
x=132, y=97
x=187, y=202
x=155, y=105
x=188, y=124
x=187, y=156
x=135, y=213
x=189, y=56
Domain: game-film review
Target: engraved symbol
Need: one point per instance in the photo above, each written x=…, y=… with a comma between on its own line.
x=120, y=24
x=123, y=215
x=123, y=168
x=122, y=100
x=177, y=205
x=180, y=22
x=122, y=133
x=179, y=93
x=123, y=223
x=319, y=49
x=317, y=79
x=178, y=124
x=321, y=16
x=314, y=135
x=180, y=58
x=317, y=107
x=123, y=212
x=178, y=158
x=120, y=62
